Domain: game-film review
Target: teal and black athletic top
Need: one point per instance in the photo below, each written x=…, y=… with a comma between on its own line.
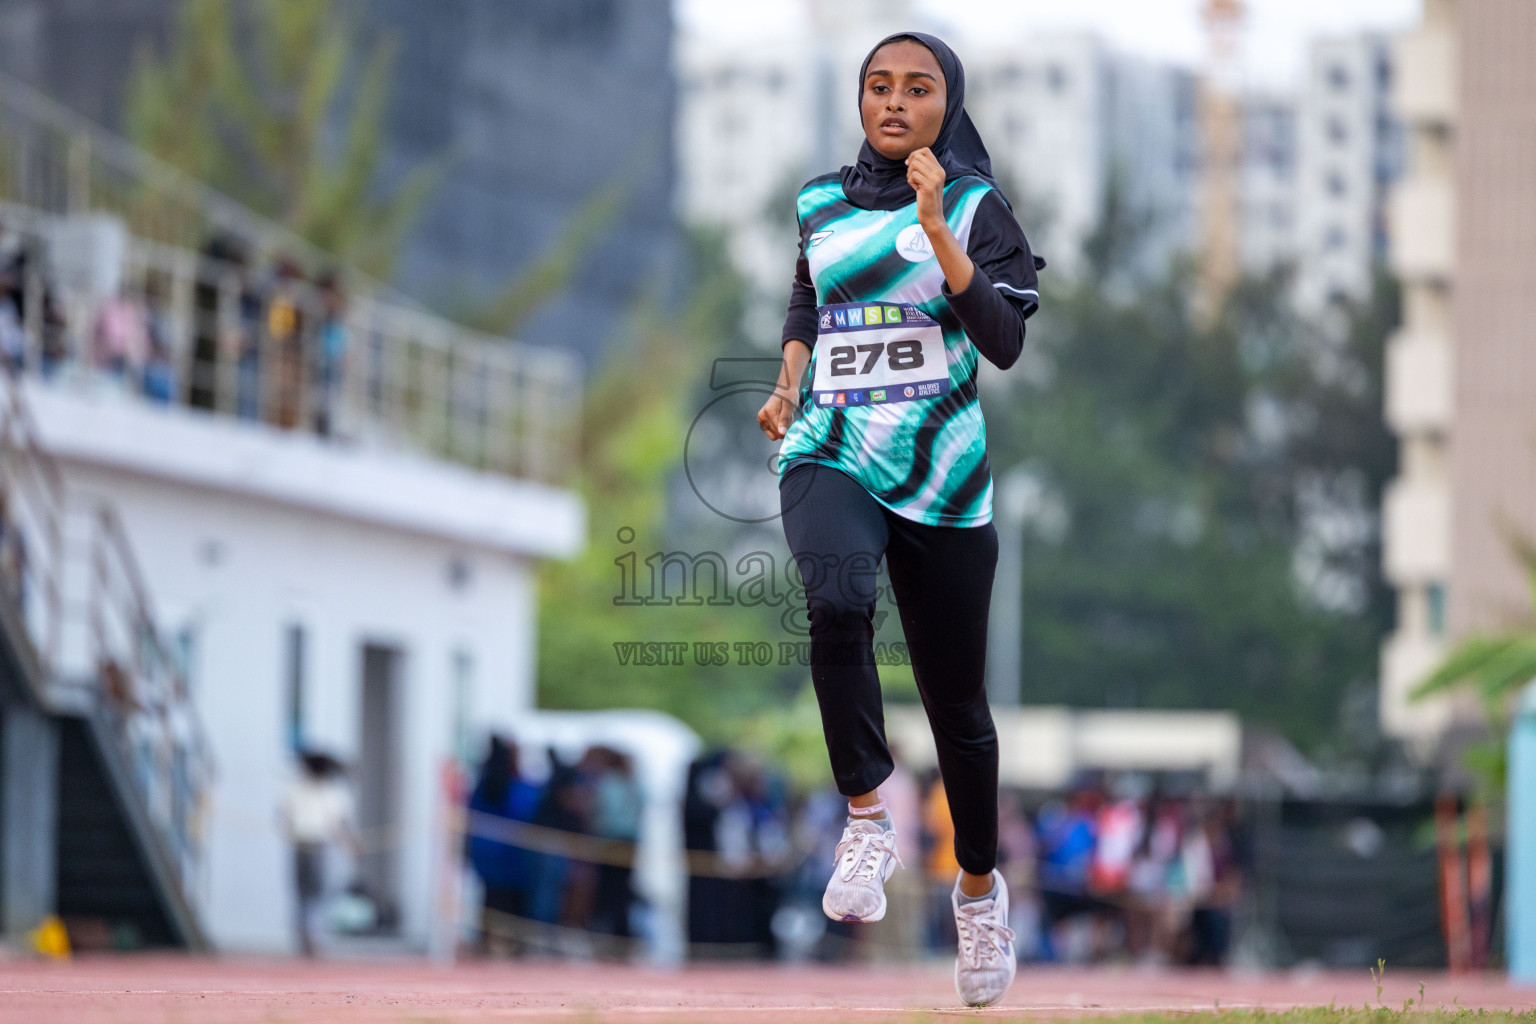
x=890, y=393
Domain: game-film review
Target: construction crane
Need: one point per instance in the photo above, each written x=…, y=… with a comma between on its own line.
x=1221, y=131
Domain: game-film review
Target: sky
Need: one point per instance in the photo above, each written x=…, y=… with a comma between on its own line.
x=1277, y=30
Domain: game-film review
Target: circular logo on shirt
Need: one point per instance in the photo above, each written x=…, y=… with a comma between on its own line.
x=913, y=245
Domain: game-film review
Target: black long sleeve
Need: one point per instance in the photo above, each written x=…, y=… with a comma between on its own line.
x=800, y=321
x=1004, y=290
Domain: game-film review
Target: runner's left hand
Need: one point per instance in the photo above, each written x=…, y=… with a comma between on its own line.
x=926, y=176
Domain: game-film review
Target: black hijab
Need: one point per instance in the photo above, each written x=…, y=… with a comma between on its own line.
x=877, y=182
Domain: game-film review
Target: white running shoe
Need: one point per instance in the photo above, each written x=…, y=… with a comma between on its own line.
x=866, y=857
x=985, y=966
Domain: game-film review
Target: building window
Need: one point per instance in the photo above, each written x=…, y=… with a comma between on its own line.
x=1338, y=131
x=294, y=643
x=1434, y=601
x=1056, y=78
x=1338, y=77
x=1337, y=186
x=1336, y=239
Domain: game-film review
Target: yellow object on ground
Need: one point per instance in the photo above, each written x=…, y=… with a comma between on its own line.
x=50, y=938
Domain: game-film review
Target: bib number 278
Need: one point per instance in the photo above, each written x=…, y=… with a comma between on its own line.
x=899, y=355
x=878, y=354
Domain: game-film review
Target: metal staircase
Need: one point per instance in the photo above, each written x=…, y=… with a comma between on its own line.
x=104, y=771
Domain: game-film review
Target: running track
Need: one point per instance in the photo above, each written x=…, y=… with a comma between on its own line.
x=178, y=990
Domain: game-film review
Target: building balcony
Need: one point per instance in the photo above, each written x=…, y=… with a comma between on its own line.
x=1424, y=90
x=1416, y=525
x=1419, y=384
x=1423, y=215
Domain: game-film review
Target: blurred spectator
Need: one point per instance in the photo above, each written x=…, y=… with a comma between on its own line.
x=316, y=812
x=19, y=288
x=331, y=354
x=616, y=816
x=1211, y=919
x=121, y=339
x=13, y=343
x=1117, y=830
x=1066, y=842
x=285, y=336
x=159, y=382
x=1155, y=882
x=503, y=868
x=563, y=887
x=709, y=790
x=247, y=343
x=753, y=838
x=734, y=810
x=13, y=339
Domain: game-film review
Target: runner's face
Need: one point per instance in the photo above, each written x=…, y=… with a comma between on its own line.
x=903, y=101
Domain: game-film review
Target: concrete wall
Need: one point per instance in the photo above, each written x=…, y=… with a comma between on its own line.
x=1494, y=443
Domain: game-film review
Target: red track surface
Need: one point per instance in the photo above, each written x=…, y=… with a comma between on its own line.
x=168, y=990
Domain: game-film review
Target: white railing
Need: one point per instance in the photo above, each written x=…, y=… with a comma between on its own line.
x=409, y=379
x=68, y=573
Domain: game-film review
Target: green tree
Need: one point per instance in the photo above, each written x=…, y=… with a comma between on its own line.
x=1198, y=472
x=289, y=122
x=637, y=411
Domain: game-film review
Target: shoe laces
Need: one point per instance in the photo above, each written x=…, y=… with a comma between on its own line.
x=859, y=852
x=983, y=937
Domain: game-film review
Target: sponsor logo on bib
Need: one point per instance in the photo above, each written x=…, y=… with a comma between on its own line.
x=826, y=321
x=824, y=399
x=909, y=391
x=856, y=317
x=913, y=245
x=877, y=396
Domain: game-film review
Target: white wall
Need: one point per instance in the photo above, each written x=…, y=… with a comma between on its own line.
x=237, y=568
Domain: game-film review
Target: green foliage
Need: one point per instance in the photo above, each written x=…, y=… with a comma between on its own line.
x=1495, y=667
x=550, y=274
x=637, y=411
x=289, y=121
x=1192, y=464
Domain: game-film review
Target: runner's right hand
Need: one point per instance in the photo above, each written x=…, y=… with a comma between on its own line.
x=775, y=416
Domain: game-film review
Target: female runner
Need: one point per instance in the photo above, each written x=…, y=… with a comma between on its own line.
x=911, y=268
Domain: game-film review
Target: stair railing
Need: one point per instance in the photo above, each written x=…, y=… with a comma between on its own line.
x=68, y=571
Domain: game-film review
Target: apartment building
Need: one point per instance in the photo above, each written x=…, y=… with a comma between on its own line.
x=1461, y=374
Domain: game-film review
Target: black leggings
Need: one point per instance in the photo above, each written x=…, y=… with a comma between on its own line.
x=942, y=580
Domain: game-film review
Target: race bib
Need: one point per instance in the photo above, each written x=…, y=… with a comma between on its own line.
x=876, y=353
